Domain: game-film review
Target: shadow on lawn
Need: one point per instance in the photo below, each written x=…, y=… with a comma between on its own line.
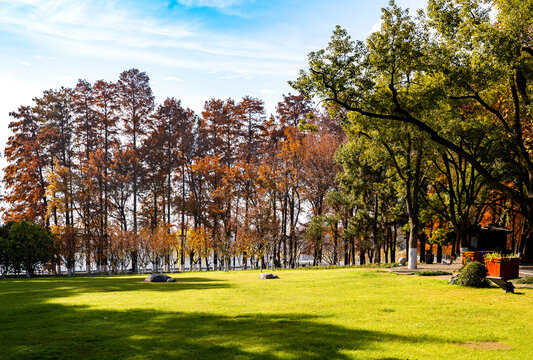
x=51, y=287
x=32, y=327
x=77, y=332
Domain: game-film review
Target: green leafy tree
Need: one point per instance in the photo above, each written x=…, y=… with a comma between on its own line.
x=381, y=170
x=31, y=245
x=5, y=256
x=425, y=72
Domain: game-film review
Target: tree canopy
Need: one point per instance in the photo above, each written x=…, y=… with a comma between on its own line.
x=462, y=67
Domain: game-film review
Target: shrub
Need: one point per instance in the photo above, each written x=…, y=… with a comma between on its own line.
x=432, y=273
x=524, y=280
x=503, y=257
x=473, y=275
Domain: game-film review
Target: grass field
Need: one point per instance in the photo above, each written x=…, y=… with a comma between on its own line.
x=323, y=314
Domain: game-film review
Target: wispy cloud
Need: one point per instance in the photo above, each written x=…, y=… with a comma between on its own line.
x=226, y=7
x=87, y=21
x=210, y=3
x=104, y=29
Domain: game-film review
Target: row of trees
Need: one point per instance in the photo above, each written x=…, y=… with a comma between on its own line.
x=121, y=181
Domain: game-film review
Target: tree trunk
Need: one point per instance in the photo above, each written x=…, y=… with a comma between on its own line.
x=376, y=251
x=386, y=245
x=352, y=251
x=413, y=243
x=346, y=253
x=393, y=244
x=422, y=240
x=362, y=260
x=461, y=234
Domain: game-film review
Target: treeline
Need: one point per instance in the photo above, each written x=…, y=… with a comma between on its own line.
x=124, y=182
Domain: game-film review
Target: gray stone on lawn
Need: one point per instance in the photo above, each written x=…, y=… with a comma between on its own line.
x=402, y=261
x=159, y=278
x=268, y=276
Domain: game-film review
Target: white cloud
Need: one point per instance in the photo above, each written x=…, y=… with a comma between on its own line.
x=238, y=74
x=25, y=63
x=376, y=27
x=267, y=91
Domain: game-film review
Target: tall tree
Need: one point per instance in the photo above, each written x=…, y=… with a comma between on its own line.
x=106, y=112
x=25, y=175
x=174, y=125
x=252, y=114
x=85, y=143
x=137, y=103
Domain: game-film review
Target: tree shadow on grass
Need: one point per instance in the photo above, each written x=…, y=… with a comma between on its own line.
x=76, y=332
x=33, y=327
x=44, y=288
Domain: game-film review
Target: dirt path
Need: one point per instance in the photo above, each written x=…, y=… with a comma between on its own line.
x=526, y=270
x=403, y=270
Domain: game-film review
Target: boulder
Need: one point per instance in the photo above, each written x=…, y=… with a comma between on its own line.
x=402, y=261
x=159, y=278
x=268, y=276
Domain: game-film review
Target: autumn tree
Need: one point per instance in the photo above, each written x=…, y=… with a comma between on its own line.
x=25, y=175
x=252, y=116
x=85, y=143
x=106, y=112
x=121, y=244
x=120, y=186
x=62, y=196
x=221, y=126
x=137, y=102
x=319, y=172
x=172, y=131
x=287, y=142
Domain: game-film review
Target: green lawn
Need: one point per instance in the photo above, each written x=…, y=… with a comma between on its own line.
x=323, y=314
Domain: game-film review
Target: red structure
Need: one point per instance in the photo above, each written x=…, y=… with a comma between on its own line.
x=505, y=268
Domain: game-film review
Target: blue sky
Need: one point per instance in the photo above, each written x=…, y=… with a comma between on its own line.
x=193, y=50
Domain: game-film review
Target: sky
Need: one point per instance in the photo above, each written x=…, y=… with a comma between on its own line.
x=193, y=50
